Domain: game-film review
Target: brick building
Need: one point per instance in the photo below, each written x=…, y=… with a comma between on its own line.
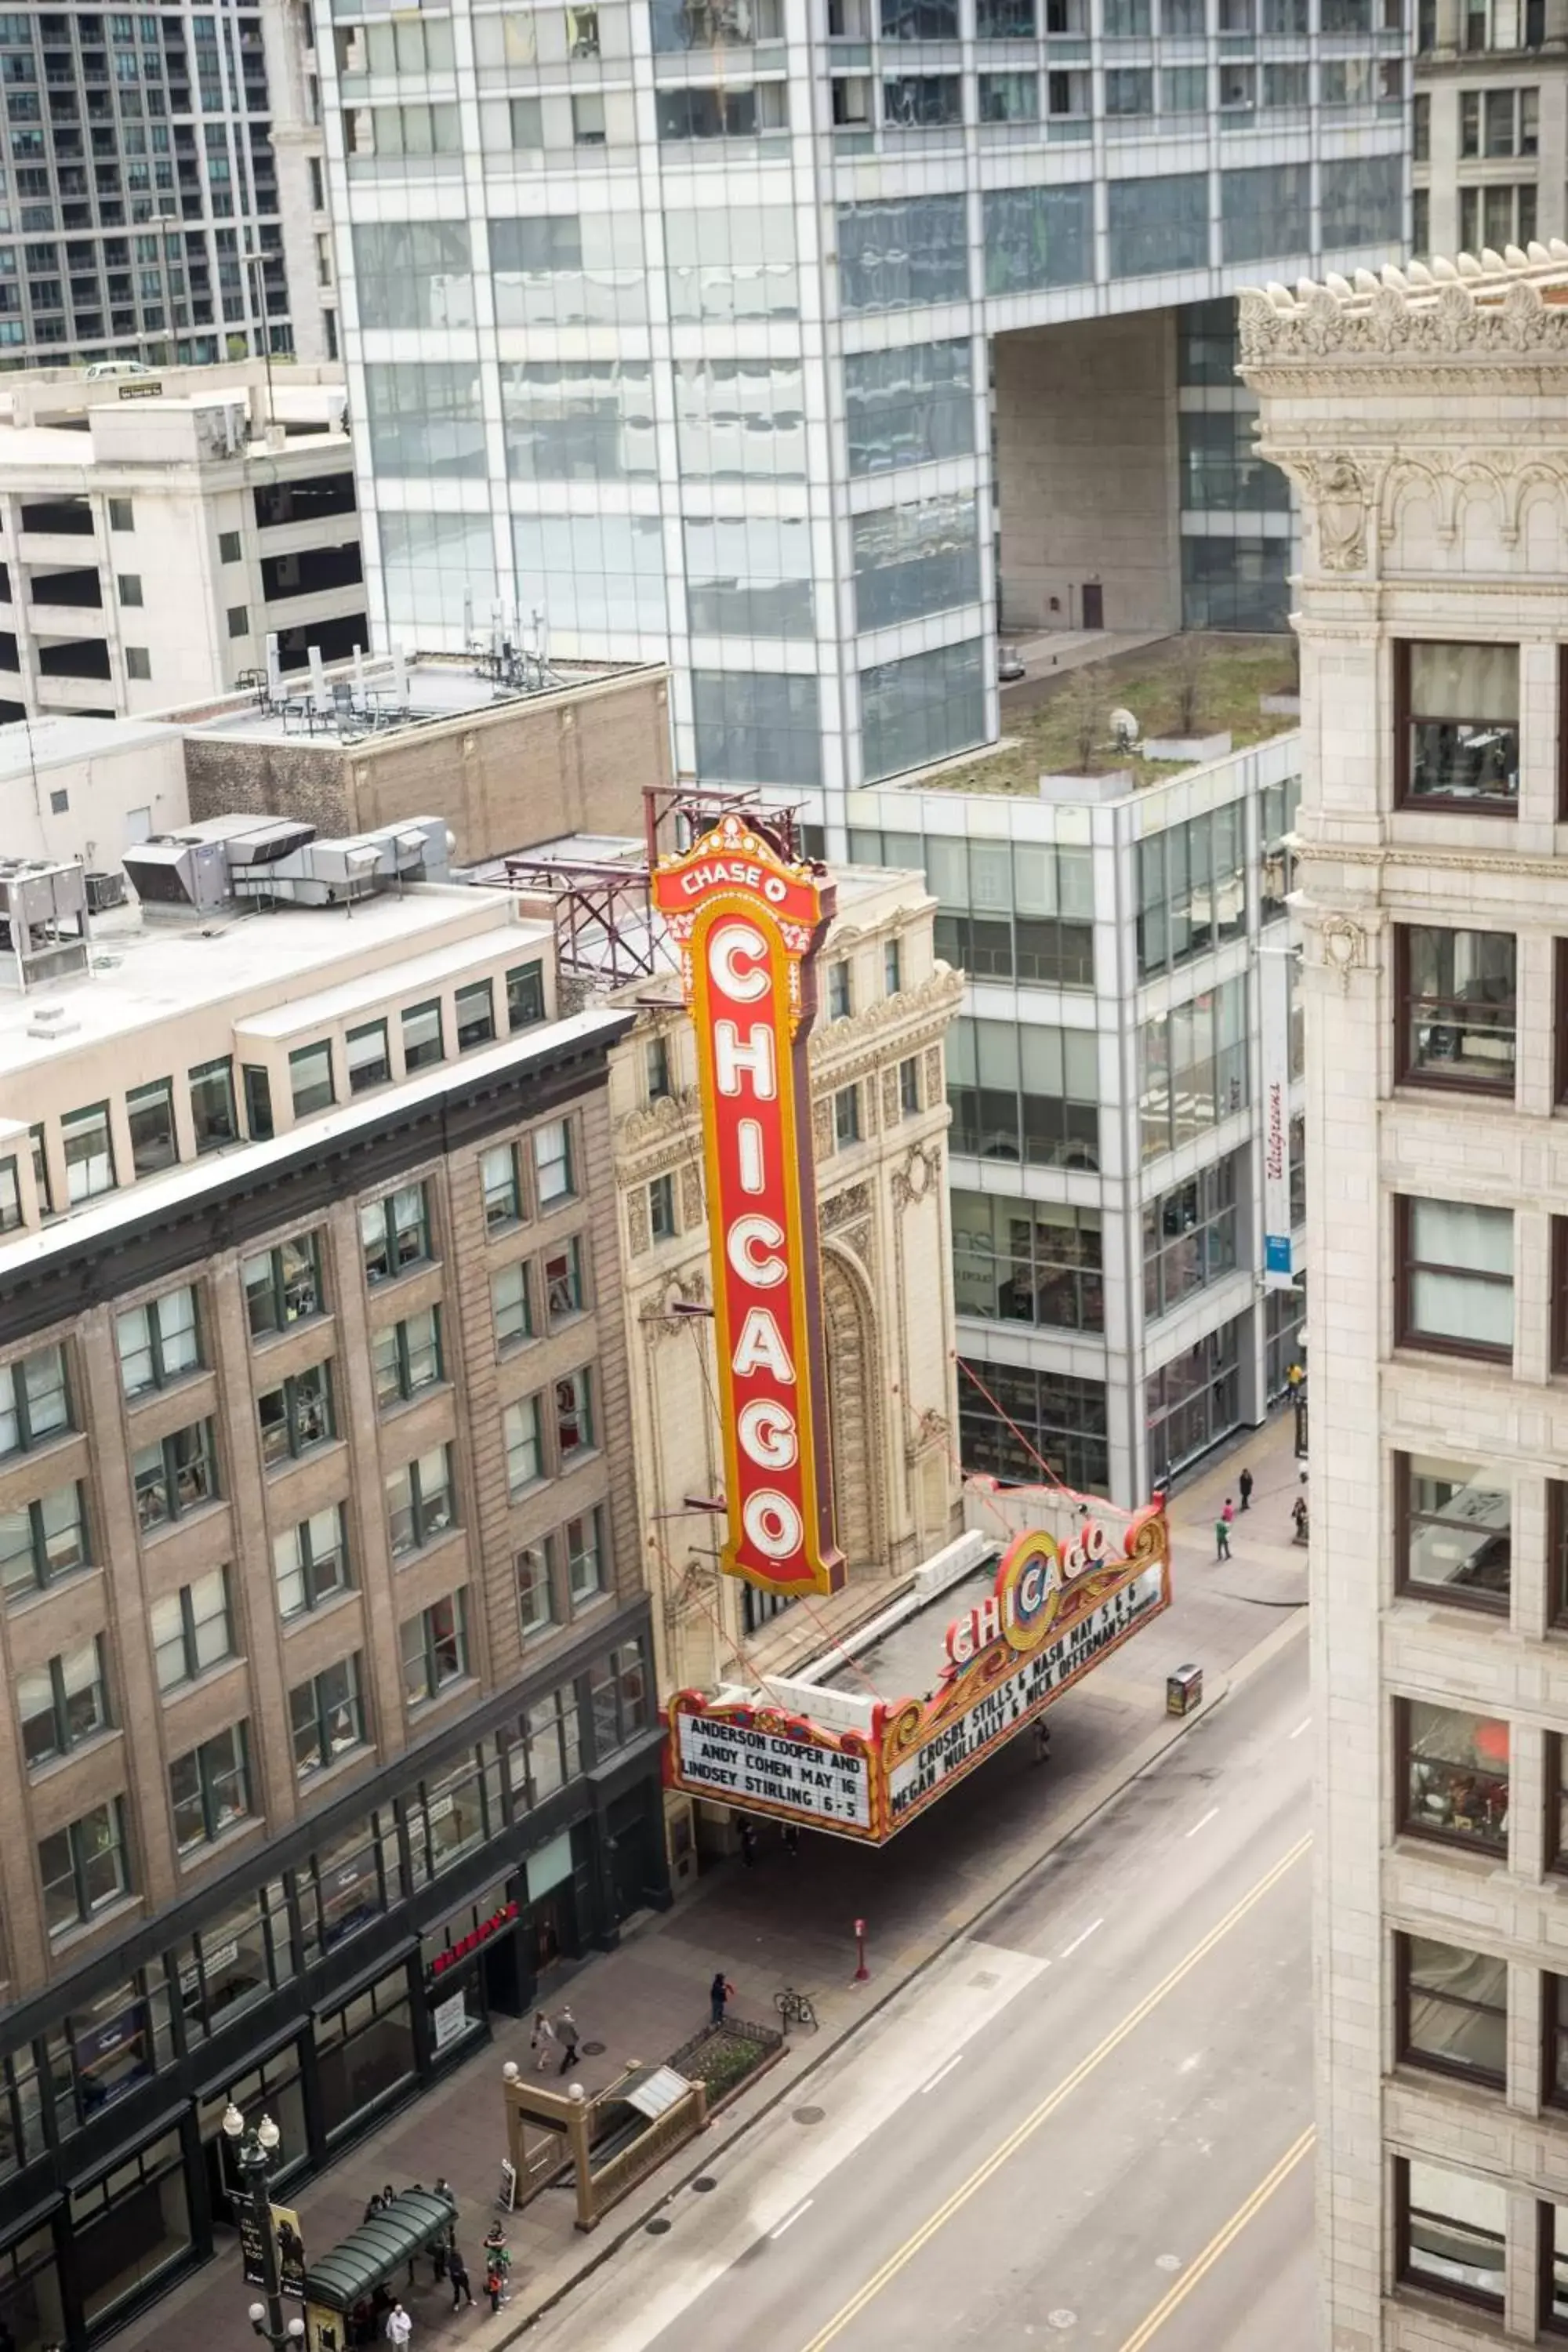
x=1422, y=418
x=310, y=1340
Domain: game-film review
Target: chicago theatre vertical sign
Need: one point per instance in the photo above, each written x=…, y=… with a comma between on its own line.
x=749, y=922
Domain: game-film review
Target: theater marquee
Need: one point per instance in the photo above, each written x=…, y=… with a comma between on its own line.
x=1053, y=1612
x=749, y=922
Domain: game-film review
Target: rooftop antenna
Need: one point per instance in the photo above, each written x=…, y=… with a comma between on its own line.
x=274, y=668
x=322, y=699
x=467, y=617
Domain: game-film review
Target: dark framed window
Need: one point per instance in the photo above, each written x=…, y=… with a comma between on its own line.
x=369, y=1061
x=476, y=1012
x=283, y=1286
x=1456, y=718
x=176, y=1475
x=1555, y=2043
x=311, y=1078
x=434, y=1648
x=297, y=1415
x=840, y=999
x=1457, y=1009
x=1557, y=1549
x=310, y=1562
x=88, y=1148
x=619, y=1694
x=212, y=1105
x=258, y=1101
x=1022, y=1417
x=42, y=1541
x=85, y=1867
x=10, y=1197
x=159, y=1343
x=1036, y=1262
x=535, y=1594
x=501, y=1181
x=1454, y=1277
x=149, y=1114
x=909, y=1087
x=662, y=1223
x=395, y=1232
x=583, y=1542
x=522, y=1437
x=554, y=1163
x=846, y=1117
x=209, y=1787
x=34, y=1402
x=63, y=1703
x=192, y=1630
x=1450, y=2232
x=511, y=1306
x=549, y=1753
x=1557, y=1802
x=1452, y=2010
x=1190, y=1237
x=1553, y=2229
x=406, y=1355
x=561, y=1268
x=421, y=1501
x=326, y=1717
x=422, y=1039
x=1454, y=1531
x=1452, y=1776
x=573, y=1417
x=524, y=995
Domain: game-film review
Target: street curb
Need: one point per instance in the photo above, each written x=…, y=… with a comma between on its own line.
x=1094, y=1801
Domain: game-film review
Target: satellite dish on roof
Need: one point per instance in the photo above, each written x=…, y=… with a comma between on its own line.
x=1124, y=730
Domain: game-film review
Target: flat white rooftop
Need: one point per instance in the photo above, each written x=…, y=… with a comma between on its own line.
x=434, y=689
x=61, y=740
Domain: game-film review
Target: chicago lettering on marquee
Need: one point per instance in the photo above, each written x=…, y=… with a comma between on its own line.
x=749, y=923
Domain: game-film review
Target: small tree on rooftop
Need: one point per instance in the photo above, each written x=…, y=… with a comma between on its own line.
x=1190, y=666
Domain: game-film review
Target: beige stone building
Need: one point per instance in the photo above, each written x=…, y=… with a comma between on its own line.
x=879, y=1120
x=326, y=1706
x=1422, y=421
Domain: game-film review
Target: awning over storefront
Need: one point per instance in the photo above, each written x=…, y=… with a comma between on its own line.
x=372, y=2254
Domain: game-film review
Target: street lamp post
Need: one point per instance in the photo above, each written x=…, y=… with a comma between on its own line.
x=253, y=2151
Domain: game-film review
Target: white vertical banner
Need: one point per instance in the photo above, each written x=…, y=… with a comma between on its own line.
x=1274, y=1020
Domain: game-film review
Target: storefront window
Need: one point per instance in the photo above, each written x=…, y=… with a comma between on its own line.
x=274, y=2089
x=129, y=2227
x=236, y=1960
x=100, y=2054
x=1194, y=1400
x=21, y=2122
x=31, y=2317
x=618, y=1687
x=364, y=2053
x=448, y=1820
x=554, y=1745
x=350, y=1878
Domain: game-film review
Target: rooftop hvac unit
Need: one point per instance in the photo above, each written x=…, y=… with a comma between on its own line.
x=172, y=873
x=103, y=891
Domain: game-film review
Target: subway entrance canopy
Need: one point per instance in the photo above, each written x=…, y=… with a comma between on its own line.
x=968, y=1650
x=379, y=2250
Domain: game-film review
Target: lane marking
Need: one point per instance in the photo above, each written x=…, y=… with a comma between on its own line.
x=1222, y=2239
x=1305, y=1725
x=1092, y=1928
x=942, y=2073
x=1212, y=1815
x=1041, y=2115
x=791, y=2219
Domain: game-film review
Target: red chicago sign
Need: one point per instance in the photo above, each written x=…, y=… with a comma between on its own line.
x=749, y=923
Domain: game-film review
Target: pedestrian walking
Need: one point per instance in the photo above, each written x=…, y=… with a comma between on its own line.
x=1042, y=1741
x=541, y=2040
x=457, y=2272
x=569, y=2038
x=1298, y=1513
x=1245, y=1484
x=493, y=2282
x=1228, y=1512
x=1222, y=1537
x=719, y=1992
x=748, y=1843
x=497, y=2266
x=399, y=2328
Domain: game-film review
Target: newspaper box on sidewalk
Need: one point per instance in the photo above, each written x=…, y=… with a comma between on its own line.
x=1185, y=1690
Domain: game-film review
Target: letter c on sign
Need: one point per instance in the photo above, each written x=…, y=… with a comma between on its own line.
x=745, y=1237
x=767, y=1432
x=772, y=1524
x=738, y=961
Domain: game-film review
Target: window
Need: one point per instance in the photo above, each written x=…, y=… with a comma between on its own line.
x=229, y=548
x=368, y=1057
x=524, y=995
x=421, y=1501
x=425, y=420
x=521, y=1432
x=756, y=726
x=192, y=1630
x=1194, y=1072
x=1453, y=2009
x=1454, y=1277
x=63, y=1704
x=511, y=1306
x=34, y=1402
x=573, y=1416
x=1554, y=2088
x=501, y=1181
x=159, y=1343
x=1452, y=2231
x=1009, y=98
x=1192, y=888
x=476, y=1016
x=562, y=1271
x=84, y=1867
x=149, y=1114
x=656, y=1069
x=1456, y=725
x=1455, y=1534
x=258, y=1102
x=1129, y=89
x=1454, y=1776
x=910, y=406
x=1023, y=1092
x=406, y=1357
x=661, y=1215
x=1194, y=1400
x=535, y=1600
x=88, y=1153
x=311, y=1078
x=41, y=1541
x=846, y=1117
x=1457, y=1014
x=296, y=1416
x=584, y=1540
x=906, y=251
x=422, y=1041
x=283, y=1286
x=1158, y=225
x=1190, y=1237
x=1421, y=130
x=10, y=1197
x=212, y=1105
x=554, y=1176
x=119, y=515
x=239, y=619
x=395, y=1234
x=1027, y=1261
x=552, y=1736
x=434, y=1647
x=310, y=1562
x=209, y=1787
x=176, y=1475
x=327, y=1717
x=839, y=991
x=618, y=1693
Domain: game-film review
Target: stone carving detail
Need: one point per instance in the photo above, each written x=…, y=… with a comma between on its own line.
x=1344, y=947
x=690, y=1196
x=933, y=1433
x=681, y=1290
x=638, y=1235
x=822, y=1128
x=920, y=1175
x=842, y=1208
x=889, y=1097
x=1417, y=312
x=932, y=1088
x=1339, y=491
x=940, y=991
x=671, y=1119
x=854, y=1414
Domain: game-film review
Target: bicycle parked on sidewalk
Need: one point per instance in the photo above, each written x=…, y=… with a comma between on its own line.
x=794, y=2009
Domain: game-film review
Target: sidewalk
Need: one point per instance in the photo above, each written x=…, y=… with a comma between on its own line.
x=792, y=1920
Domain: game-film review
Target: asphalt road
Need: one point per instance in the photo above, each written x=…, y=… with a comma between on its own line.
x=1087, y=2126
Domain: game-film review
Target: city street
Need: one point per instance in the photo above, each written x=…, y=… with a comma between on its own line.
x=1088, y=2123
